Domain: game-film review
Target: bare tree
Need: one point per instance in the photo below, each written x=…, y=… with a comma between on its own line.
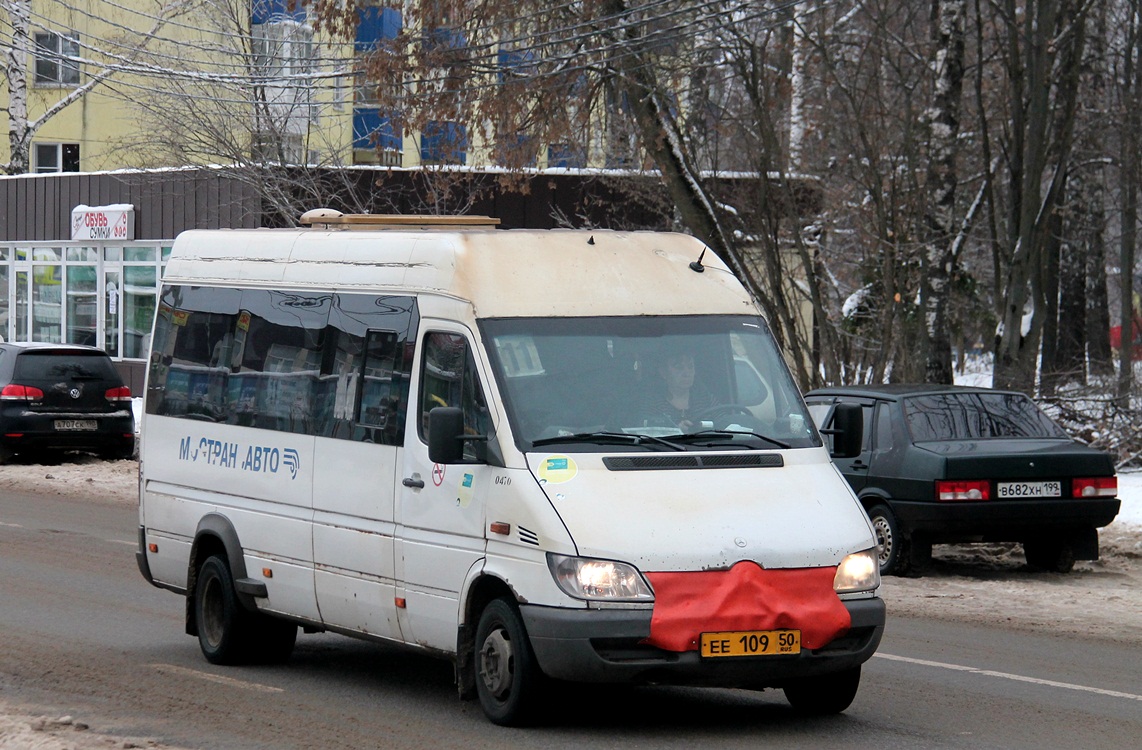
x=18, y=57
x=1130, y=164
x=948, y=28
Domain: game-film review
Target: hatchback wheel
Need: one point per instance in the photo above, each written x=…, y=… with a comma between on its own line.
x=1050, y=553
x=891, y=547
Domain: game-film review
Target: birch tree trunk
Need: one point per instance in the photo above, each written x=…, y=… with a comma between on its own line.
x=948, y=22
x=16, y=66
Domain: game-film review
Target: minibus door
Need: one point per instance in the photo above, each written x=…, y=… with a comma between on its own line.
x=440, y=516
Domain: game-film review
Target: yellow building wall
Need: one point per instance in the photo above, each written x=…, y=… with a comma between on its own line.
x=110, y=131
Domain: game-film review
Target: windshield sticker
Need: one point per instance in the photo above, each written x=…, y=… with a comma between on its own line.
x=557, y=469
x=465, y=491
x=232, y=455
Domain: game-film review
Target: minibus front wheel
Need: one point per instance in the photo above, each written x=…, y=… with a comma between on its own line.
x=508, y=679
x=824, y=694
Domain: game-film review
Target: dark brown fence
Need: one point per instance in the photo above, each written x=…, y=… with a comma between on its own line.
x=38, y=207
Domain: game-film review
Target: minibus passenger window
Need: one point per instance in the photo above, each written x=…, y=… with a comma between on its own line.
x=384, y=394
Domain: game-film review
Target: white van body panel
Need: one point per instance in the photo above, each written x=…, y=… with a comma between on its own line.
x=793, y=516
x=353, y=532
x=548, y=272
x=358, y=531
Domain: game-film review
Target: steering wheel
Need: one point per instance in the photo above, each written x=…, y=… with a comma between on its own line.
x=723, y=410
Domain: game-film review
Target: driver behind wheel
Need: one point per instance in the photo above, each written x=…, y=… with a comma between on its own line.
x=674, y=395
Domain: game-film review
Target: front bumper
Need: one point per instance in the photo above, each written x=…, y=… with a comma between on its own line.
x=604, y=645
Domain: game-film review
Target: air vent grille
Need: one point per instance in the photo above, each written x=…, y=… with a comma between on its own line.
x=527, y=536
x=694, y=461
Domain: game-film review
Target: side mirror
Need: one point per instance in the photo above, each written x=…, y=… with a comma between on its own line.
x=847, y=431
x=445, y=429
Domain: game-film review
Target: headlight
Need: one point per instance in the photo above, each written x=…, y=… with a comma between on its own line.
x=585, y=578
x=860, y=571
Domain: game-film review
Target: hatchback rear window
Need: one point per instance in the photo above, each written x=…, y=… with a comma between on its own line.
x=53, y=365
x=968, y=416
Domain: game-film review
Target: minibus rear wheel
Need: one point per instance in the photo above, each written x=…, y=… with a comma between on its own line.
x=508, y=680
x=224, y=626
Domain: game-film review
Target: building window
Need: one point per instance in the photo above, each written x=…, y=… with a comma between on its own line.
x=374, y=130
x=57, y=62
x=444, y=143
x=284, y=57
x=374, y=24
x=57, y=157
x=566, y=156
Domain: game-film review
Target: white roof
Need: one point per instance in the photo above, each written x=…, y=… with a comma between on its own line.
x=502, y=273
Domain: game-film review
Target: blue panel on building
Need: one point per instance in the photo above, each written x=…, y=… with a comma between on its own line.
x=371, y=130
x=264, y=11
x=565, y=156
x=444, y=142
x=375, y=24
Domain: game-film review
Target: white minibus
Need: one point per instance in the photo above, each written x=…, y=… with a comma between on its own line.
x=554, y=455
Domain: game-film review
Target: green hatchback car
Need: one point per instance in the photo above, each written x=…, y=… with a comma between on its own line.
x=948, y=464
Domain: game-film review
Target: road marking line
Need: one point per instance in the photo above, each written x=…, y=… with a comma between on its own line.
x=1008, y=676
x=11, y=525
x=183, y=671
x=120, y=541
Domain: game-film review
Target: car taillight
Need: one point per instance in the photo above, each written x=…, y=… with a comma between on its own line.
x=122, y=393
x=1094, y=487
x=21, y=393
x=973, y=489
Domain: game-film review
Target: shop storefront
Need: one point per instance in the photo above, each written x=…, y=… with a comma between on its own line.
x=94, y=292
x=98, y=289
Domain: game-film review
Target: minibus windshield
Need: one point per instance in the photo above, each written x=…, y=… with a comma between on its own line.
x=647, y=383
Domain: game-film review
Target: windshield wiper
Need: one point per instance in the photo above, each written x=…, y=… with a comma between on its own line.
x=607, y=438
x=689, y=436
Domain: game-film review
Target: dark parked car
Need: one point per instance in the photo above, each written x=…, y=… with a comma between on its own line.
x=58, y=397
x=946, y=464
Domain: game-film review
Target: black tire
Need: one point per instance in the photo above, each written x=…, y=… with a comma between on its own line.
x=6, y=455
x=274, y=639
x=225, y=628
x=122, y=453
x=825, y=694
x=893, y=550
x=1050, y=553
x=508, y=680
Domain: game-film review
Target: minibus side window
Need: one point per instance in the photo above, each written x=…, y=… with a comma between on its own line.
x=448, y=377
x=384, y=394
x=313, y=363
x=280, y=340
x=190, y=367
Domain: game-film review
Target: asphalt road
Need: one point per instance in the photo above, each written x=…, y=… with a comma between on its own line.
x=82, y=634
